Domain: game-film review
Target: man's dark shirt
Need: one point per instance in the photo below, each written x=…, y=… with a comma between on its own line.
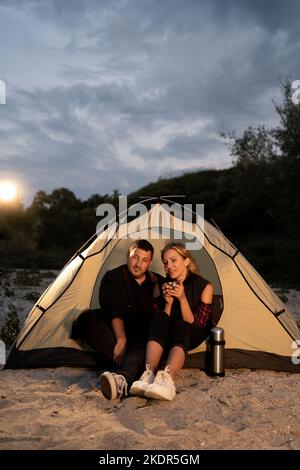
x=121, y=296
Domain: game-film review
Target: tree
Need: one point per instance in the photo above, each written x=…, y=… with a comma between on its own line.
x=255, y=146
x=287, y=136
x=267, y=173
x=56, y=218
x=95, y=200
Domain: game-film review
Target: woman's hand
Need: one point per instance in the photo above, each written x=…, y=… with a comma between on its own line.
x=177, y=291
x=119, y=350
x=167, y=294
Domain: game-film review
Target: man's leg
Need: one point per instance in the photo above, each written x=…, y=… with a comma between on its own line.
x=116, y=384
x=132, y=364
x=96, y=332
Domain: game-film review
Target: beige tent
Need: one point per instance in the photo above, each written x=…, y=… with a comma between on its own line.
x=259, y=330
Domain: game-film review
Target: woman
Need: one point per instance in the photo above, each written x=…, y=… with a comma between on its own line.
x=182, y=325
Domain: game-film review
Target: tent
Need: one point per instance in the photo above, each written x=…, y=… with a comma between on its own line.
x=259, y=329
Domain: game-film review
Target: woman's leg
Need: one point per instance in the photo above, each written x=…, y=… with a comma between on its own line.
x=178, y=338
x=184, y=336
x=178, y=342
x=176, y=360
x=154, y=352
x=158, y=334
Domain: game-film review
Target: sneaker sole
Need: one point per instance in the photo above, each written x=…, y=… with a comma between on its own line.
x=137, y=391
x=157, y=396
x=108, y=387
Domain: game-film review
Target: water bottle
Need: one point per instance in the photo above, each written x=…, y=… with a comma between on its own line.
x=216, y=346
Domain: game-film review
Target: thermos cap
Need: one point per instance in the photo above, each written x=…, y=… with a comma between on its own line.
x=217, y=333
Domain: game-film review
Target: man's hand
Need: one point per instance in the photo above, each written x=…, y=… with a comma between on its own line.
x=119, y=350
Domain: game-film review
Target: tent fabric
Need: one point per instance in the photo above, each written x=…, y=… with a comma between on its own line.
x=259, y=329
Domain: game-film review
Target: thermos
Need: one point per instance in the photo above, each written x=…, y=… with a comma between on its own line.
x=216, y=346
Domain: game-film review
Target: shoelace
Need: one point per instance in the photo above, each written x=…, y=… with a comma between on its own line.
x=122, y=385
x=147, y=373
x=163, y=376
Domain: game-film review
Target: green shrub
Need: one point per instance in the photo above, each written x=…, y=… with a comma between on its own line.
x=13, y=256
x=31, y=296
x=8, y=292
x=47, y=274
x=11, y=327
x=28, y=278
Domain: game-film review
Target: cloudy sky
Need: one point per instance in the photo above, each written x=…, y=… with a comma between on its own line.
x=112, y=94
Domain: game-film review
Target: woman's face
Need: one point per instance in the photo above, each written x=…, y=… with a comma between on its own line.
x=175, y=265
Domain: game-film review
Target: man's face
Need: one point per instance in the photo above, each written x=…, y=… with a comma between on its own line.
x=138, y=262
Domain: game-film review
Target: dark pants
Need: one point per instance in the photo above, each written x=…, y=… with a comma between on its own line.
x=170, y=332
x=95, y=330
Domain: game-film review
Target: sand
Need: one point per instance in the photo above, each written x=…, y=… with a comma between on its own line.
x=64, y=408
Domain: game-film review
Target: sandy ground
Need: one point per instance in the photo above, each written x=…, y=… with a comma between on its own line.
x=64, y=408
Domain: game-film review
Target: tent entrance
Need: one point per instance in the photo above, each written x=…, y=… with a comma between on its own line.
x=118, y=256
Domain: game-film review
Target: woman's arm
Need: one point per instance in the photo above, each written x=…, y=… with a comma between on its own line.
x=179, y=293
x=204, y=309
x=208, y=294
x=186, y=312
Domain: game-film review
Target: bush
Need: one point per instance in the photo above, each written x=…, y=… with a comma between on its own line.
x=25, y=278
x=31, y=296
x=47, y=274
x=20, y=257
x=11, y=328
x=274, y=258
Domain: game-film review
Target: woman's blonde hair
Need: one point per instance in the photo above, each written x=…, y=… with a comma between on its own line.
x=182, y=251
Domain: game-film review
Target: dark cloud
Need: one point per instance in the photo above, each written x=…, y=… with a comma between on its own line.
x=111, y=94
x=272, y=15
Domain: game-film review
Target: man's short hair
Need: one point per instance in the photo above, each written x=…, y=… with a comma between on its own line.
x=143, y=245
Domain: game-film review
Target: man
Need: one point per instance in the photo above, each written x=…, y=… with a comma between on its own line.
x=118, y=332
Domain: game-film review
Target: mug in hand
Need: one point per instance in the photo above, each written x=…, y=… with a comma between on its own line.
x=172, y=284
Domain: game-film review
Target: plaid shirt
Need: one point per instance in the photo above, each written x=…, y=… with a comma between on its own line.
x=202, y=314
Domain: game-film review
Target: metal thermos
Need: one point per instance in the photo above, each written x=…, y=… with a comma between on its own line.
x=216, y=346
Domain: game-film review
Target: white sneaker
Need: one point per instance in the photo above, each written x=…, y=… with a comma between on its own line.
x=139, y=387
x=113, y=385
x=163, y=387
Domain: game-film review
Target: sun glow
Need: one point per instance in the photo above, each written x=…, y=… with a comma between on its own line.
x=8, y=191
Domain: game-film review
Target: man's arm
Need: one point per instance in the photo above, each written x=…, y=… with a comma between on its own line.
x=113, y=301
x=121, y=341
x=112, y=296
